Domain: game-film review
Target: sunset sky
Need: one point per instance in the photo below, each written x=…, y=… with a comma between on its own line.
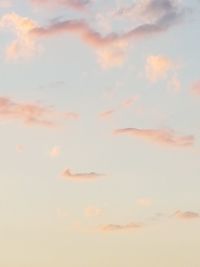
x=100, y=133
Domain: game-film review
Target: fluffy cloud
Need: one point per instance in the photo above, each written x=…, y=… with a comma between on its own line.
x=90, y=176
x=24, y=45
x=187, y=215
x=120, y=227
x=164, y=137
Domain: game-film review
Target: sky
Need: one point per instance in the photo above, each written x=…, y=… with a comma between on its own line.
x=100, y=133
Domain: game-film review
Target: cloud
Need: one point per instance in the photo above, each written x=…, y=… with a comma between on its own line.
x=162, y=136
x=107, y=114
x=144, y=202
x=120, y=227
x=111, y=47
x=187, y=215
x=92, y=211
x=71, y=115
x=29, y=113
x=19, y=148
x=196, y=88
x=55, y=152
x=90, y=176
x=157, y=67
x=74, y=4
x=24, y=45
x=5, y=4
x=151, y=11
x=130, y=101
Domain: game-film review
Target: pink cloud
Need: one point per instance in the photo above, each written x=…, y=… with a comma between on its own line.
x=5, y=4
x=111, y=47
x=164, y=137
x=55, y=152
x=157, y=67
x=120, y=227
x=29, y=113
x=196, y=88
x=130, y=101
x=144, y=202
x=92, y=211
x=90, y=176
x=187, y=215
x=107, y=114
x=24, y=45
x=71, y=115
x=74, y=4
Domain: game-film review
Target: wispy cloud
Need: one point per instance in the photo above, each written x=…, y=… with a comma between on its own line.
x=107, y=114
x=186, y=215
x=55, y=152
x=92, y=211
x=6, y=4
x=157, y=67
x=195, y=88
x=120, y=227
x=162, y=136
x=90, y=176
x=144, y=202
x=74, y=4
x=29, y=113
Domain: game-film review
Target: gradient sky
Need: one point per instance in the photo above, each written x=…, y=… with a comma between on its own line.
x=99, y=116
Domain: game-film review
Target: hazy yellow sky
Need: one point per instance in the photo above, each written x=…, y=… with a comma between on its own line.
x=99, y=117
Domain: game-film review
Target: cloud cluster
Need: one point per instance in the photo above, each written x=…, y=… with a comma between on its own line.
x=164, y=137
x=111, y=47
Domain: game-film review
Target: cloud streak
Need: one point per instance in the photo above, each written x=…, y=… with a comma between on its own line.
x=29, y=113
x=73, y=4
x=164, y=137
x=90, y=176
x=187, y=215
x=120, y=227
